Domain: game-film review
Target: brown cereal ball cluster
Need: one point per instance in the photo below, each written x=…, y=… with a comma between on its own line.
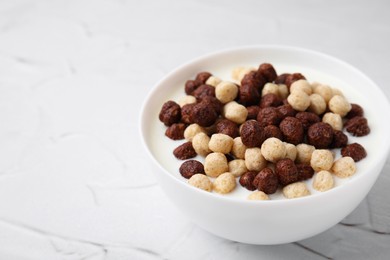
x=267, y=130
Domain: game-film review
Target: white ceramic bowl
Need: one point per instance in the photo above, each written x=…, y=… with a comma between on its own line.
x=280, y=220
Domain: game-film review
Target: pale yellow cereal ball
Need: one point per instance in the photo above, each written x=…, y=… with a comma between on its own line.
x=254, y=160
x=314, y=84
x=258, y=195
x=200, y=142
x=201, y=181
x=339, y=105
x=221, y=143
x=192, y=130
x=235, y=112
x=325, y=91
x=337, y=91
x=213, y=81
x=296, y=190
x=321, y=159
x=237, y=167
x=215, y=164
x=344, y=167
x=334, y=120
x=224, y=183
x=270, y=88
x=302, y=85
x=291, y=151
x=323, y=181
x=239, y=73
x=187, y=100
x=317, y=104
x=238, y=148
x=283, y=91
x=299, y=100
x=226, y=91
x=304, y=152
x=273, y=149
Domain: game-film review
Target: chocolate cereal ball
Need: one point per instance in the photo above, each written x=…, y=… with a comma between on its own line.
x=339, y=139
x=270, y=100
x=290, y=78
x=176, y=131
x=255, y=80
x=292, y=130
x=305, y=171
x=355, y=151
x=191, y=167
x=170, y=113
x=184, y=151
x=187, y=113
x=307, y=119
x=246, y=180
x=252, y=112
x=267, y=71
x=287, y=110
x=357, y=126
x=203, y=76
x=248, y=95
x=320, y=135
x=273, y=131
x=203, y=91
x=227, y=127
x=269, y=116
x=204, y=115
x=356, y=110
x=267, y=181
x=252, y=134
x=286, y=171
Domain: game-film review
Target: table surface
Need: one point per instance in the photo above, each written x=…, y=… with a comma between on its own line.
x=73, y=75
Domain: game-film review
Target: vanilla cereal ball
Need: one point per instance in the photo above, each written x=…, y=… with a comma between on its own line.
x=201, y=181
x=200, y=142
x=226, y=91
x=238, y=148
x=192, y=130
x=254, y=160
x=224, y=183
x=299, y=100
x=221, y=143
x=303, y=85
x=237, y=167
x=323, y=181
x=235, y=112
x=258, y=195
x=317, y=104
x=339, y=105
x=273, y=149
x=187, y=100
x=296, y=190
x=283, y=91
x=344, y=167
x=304, y=152
x=334, y=120
x=213, y=81
x=215, y=164
x=291, y=151
x=321, y=159
x=239, y=73
x=325, y=91
x=270, y=88
x=337, y=91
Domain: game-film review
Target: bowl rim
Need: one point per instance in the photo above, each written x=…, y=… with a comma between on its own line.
x=222, y=198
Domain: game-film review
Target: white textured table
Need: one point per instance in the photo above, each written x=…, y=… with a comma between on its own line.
x=73, y=74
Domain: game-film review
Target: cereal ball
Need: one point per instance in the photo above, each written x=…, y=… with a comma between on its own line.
x=324, y=91
x=187, y=113
x=269, y=116
x=267, y=71
x=248, y=95
x=191, y=85
x=270, y=88
x=192, y=130
x=339, y=139
x=258, y=195
x=286, y=171
x=273, y=149
x=202, y=76
x=252, y=112
x=221, y=143
x=296, y=190
x=187, y=100
x=176, y=131
x=170, y=113
x=226, y=91
x=335, y=120
x=267, y=181
x=215, y=164
x=355, y=150
x=270, y=100
x=292, y=78
x=320, y=135
x=291, y=151
x=238, y=148
x=213, y=102
x=281, y=79
x=203, y=114
x=299, y=100
x=201, y=181
x=317, y=104
x=304, y=171
x=224, y=183
x=227, y=127
x=254, y=79
x=307, y=119
x=356, y=110
x=273, y=131
x=344, y=167
x=323, y=181
x=254, y=160
x=304, y=152
x=184, y=151
x=252, y=134
x=191, y=167
x=246, y=180
x=336, y=91
x=213, y=81
x=339, y=105
x=292, y=130
x=357, y=126
x=237, y=167
x=302, y=85
x=287, y=110
x=239, y=73
x=203, y=91
x=321, y=159
x=200, y=142
x=283, y=91
x=235, y=112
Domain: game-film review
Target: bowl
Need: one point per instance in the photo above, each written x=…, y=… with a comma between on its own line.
x=276, y=221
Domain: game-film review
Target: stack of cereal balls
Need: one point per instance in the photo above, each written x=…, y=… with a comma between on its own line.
x=265, y=131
